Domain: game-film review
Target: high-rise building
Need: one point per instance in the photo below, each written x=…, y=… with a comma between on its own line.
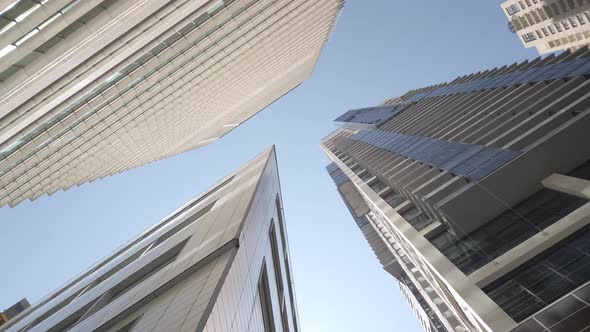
x=91, y=88
x=474, y=195
x=550, y=25
x=219, y=263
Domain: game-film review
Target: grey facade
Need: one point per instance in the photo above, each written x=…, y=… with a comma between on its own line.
x=219, y=263
x=92, y=88
x=474, y=194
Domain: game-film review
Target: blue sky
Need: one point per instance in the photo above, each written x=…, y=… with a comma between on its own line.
x=380, y=49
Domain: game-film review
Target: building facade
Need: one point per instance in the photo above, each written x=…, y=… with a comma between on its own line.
x=550, y=25
x=474, y=194
x=219, y=263
x=92, y=88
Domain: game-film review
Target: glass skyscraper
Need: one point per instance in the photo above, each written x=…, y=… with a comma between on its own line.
x=474, y=194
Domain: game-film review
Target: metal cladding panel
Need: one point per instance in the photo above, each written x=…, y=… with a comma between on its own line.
x=237, y=306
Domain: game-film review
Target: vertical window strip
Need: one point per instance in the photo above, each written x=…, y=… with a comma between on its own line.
x=265, y=301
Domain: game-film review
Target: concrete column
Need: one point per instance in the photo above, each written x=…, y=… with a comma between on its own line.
x=568, y=185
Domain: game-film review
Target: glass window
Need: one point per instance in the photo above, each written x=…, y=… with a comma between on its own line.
x=275, y=260
x=528, y=37
x=540, y=210
x=544, y=279
x=265, y=301
x=285, y=319
x=512, y=9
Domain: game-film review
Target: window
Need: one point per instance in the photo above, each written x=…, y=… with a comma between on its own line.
x=573, y=22
x=281, y=223
x=558, y=27
x=565, y=25
x=285, y=318
x=265, y=301
x=551, y=29
x=276, y=261
x=580, y=18
x=528, y=37
x=286, y=258
x=504, y=232
x=512, y=9
x=545, y=31
x=544, y=279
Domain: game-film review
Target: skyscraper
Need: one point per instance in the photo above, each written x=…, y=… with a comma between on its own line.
x=219, y=263
x=474, y=194
x=550, y=25
x=92, y=88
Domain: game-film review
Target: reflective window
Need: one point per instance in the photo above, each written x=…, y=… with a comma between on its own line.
x=544, y=279
x=276, y=262
x=506, y=231
x=265, y=301
x=512, y=9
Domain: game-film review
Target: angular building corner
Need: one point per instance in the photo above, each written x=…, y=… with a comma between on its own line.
x=89, y=89
x=474, y=194
x=549, y=25
x=219, y=263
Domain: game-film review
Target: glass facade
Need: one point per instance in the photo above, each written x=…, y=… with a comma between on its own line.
x=373, y=116
x=565, y=69
x=537, y=212
x=544, y=279
x=506, y=231
x=469, y=160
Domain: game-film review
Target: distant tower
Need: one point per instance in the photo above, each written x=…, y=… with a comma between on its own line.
x=550, y=25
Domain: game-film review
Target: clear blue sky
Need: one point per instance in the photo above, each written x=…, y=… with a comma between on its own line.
x=380, y=49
